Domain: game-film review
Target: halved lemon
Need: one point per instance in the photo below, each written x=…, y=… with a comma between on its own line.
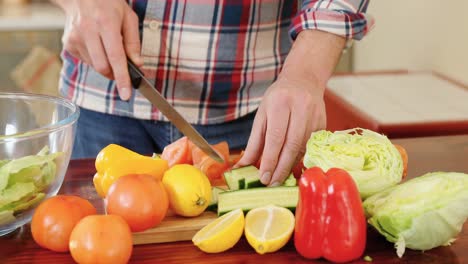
x=269, y=228
x=221, y=234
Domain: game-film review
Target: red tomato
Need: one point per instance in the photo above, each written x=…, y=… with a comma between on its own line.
x=178, y=152
x=236, y=158
x=213, y=169
x=55, y=218
x=101, y=239
x=140, y=199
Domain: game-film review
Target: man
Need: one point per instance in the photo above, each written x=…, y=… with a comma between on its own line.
x=249, y=72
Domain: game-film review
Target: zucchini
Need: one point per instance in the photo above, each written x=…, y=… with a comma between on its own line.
x=215, y=191
x=256, y=197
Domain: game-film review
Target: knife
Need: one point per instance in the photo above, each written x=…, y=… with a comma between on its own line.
x=146, y=88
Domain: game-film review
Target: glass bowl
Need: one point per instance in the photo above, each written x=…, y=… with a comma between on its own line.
x=37, y=133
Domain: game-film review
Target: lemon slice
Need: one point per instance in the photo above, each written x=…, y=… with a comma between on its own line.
x=221, y=234
x=269, y=228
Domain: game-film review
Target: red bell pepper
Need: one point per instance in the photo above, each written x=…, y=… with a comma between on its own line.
x=330, y=220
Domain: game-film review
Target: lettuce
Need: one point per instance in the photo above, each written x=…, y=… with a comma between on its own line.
x=370, y=158
x=422, y=213
x=23, y=181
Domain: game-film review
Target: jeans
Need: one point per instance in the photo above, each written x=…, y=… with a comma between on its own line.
x=97, y=130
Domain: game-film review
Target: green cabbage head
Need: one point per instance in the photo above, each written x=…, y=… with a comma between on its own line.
x=422, y=213
x=369, y=157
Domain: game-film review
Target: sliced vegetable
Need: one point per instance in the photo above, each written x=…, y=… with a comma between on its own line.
x=234, y=182
x=422, y=213
x=290, y=180
x=6, y=217
x=178, y=152
x=243, y=178
x=210, y=167
x=257, y=197
x=23, y=182
x=330, y=220
x=215, y=191
x=371, y=159
x=23, y=165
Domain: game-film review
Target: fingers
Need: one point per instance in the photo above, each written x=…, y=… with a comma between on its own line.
x=131, y=37
x=292, y=148
x=277, y=125
x=74, y=44
x=254, y=147
x=98, y=54
x=114, y=48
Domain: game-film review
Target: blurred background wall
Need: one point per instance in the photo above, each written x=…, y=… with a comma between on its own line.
x=416, y=35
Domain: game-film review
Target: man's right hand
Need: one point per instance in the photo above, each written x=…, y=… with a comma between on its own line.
x=102, y=33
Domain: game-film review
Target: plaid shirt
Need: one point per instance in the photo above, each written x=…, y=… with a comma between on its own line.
x=212, y=60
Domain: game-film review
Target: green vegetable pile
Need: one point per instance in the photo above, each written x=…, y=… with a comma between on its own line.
x=422, y=213
x=23, y=182
x=370, y=158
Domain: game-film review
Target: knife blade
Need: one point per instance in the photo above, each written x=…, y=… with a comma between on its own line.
x=140, y=82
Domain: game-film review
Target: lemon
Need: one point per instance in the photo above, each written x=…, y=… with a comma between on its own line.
x=269, y=228
x=188, y=189
x=221, y=234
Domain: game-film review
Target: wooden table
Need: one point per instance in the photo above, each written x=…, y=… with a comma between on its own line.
x=449, y=153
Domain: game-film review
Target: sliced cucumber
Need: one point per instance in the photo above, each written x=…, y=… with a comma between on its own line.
x=251, y=176
x=234, y=181
x=243, y=178
x=215, y=191
x=252, y=198
x=290, y=181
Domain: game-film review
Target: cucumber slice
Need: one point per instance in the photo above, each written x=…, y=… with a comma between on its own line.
x=252, y=198
x=251, y=176
x=234, y=181
x=290, y=181
x=243, y=178
x=215, y=191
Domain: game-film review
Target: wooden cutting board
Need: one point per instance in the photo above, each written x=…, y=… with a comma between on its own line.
x=174, y=228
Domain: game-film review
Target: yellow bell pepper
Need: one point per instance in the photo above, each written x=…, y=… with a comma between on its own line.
x=115, y=161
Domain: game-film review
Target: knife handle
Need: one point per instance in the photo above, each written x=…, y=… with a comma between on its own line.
x=135, y=74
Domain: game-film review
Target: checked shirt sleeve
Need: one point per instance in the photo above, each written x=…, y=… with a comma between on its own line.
x=346, y=18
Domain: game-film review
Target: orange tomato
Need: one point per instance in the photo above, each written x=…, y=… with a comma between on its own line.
x=404, y=157
x=140, y=199
x=178, y=152
x=101, y=239
x=55, y=218
x=213, y=169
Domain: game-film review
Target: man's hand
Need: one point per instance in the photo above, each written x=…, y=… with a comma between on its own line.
x=102, y=33
x=293, y=107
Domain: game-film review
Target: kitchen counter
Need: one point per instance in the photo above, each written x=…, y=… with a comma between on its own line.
x=448, y=153
x=398, y=104
x=37, y=16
